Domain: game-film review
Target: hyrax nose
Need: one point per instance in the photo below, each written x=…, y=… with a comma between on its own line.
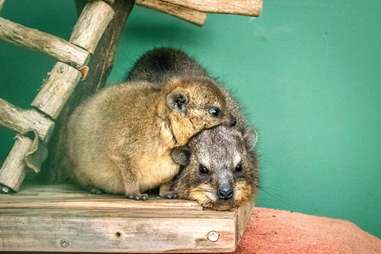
x=225, y=192
x=231, y=121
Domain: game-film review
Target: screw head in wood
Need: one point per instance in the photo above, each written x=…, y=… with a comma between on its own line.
x=64, y=243
x=213, y=236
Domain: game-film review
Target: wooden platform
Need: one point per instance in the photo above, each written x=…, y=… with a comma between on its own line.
x=61, y=218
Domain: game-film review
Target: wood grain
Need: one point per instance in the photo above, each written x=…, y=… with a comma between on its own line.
x=57, y=89
x=192, y=16
x=241, y=7
x=91, y=25
x=43, y=218
x=12, y=172
x=49, y=44
x=25, y=120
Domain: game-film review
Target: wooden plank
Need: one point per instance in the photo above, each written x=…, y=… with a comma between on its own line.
x=91, y=25
x=57, y=89
x=25, y=120
x=192, y=16
x=49, y=44
x=113, y=224
x=95, y=231
x=241, y=7
x=70, y=196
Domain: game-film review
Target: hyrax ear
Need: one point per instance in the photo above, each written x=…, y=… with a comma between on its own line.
x=177, y=101
x=250, y=137
x=181, y=155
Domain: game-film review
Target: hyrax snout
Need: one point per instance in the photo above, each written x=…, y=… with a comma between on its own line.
x=219, y=168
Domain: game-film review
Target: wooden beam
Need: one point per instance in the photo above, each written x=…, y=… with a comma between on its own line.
x=192, y=16
x=25, y=120
x=99, y=68
x=63, y=79
x=91, y=25
x=241, y=7
x=45, y=219
x=12, y=172
x=49, y=44
x=57, y=89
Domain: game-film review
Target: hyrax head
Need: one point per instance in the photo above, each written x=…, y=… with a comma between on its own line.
x=219, y=168
x=195, y=104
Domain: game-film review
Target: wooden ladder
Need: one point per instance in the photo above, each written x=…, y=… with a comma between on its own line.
x=35, y=125
x=98, y=18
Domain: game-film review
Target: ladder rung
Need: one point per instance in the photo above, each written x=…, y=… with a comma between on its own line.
x=54, y=46
x=24, y=120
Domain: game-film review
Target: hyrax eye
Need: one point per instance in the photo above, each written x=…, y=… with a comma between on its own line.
x=238, y=168
x=203, y=170
x=215, y=111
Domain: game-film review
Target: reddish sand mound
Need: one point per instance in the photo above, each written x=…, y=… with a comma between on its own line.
x=273, y=231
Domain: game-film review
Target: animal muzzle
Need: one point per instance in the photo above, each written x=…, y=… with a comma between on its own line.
x=230, y=121
x=225, y=192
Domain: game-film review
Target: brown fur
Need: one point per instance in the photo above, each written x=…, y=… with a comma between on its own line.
x=120, y=139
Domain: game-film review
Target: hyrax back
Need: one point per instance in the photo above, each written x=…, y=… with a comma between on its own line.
x=120, y=139
x=219, y=168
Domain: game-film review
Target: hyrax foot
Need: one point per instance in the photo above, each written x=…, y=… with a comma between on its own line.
x=169, y=195
x=138, y=196
x=96, y=191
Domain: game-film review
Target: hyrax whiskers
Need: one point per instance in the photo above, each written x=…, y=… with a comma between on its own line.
x=120, y=140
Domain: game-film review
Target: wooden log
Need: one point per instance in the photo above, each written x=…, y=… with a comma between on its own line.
x=99, y=67
x=27, y=152
x=24, y=120
x=49, y=44
x=241, y=7
x=57, y=89
x=28, y=218
x=192, y=16
x=91, y=25
x=12, y=172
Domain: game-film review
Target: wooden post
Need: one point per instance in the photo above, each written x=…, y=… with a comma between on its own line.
x=56, y=90
x=91, y=25
x=241, y=7
x=99, y=68
x=49, y=44
x=192, y=16
x=12, y=172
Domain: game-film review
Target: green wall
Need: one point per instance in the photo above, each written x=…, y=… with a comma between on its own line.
x=307, y=72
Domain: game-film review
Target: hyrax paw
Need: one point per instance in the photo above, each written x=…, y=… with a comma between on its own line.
x=138, y=196
x=171, y=195
x=96, y=191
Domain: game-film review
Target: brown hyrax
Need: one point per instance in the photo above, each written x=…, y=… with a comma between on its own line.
x=219, y=169
x=120, y=140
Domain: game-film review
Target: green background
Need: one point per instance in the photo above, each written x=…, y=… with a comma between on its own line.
x=307, y=73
